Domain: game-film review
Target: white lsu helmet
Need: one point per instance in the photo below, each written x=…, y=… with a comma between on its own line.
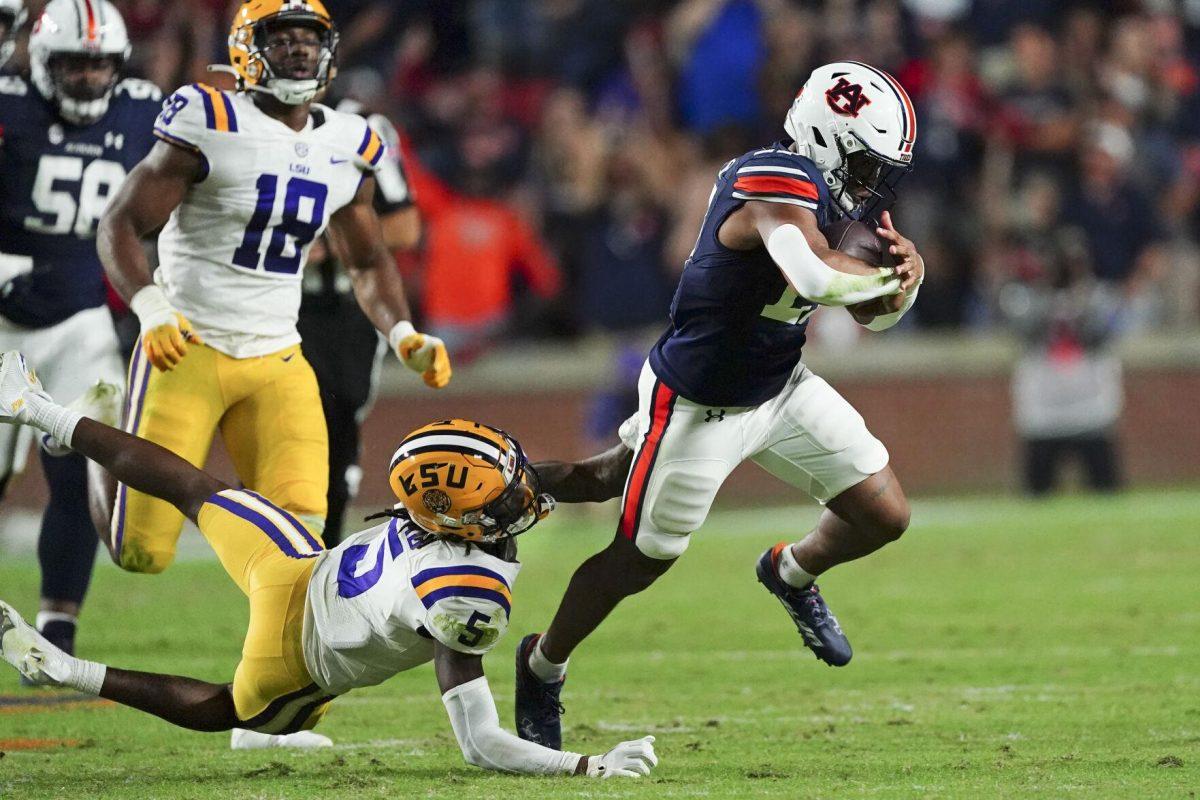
x=12, y=14
x=77, y=27
x=857, y=124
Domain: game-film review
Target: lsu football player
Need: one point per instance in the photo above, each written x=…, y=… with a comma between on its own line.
x=69, y=133
x=432, y=583
x=725, y=383
x=243, y=182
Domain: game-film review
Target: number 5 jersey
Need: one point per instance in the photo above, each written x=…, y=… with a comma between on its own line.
x=379, y=601
x=233, y=252
x=55, y=181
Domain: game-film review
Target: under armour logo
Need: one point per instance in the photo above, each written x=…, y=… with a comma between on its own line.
x=114, y=140
x=711, y=414
x=846, y=98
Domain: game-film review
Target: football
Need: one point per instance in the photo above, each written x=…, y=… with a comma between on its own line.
x=859, y=240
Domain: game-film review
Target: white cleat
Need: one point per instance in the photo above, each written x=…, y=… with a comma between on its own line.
x=101, y=402
x=38, y=661
x=242, y=739
x=18, y=383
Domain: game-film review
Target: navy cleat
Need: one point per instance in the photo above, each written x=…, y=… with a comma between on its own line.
x=539, y=713
x=817, y=625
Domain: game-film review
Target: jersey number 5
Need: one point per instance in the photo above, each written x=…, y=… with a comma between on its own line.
x=301, y=231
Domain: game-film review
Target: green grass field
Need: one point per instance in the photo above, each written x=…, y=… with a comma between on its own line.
x=1003, y=649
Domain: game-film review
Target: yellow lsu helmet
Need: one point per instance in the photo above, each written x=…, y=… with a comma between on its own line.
x=468, y=481
x=247, y=47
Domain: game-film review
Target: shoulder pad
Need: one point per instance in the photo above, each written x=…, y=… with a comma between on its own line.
x=371, y=146
x=138, y=89
x=467, y=606
x=194, y=114
x=779, y=176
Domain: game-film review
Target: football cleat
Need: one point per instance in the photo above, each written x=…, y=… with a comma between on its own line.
x=242, y=739
x=101, y=402
x=539, y=712
x=817, y=625
x=39, y=662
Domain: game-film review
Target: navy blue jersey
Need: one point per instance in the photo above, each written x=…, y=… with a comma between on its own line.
x=736, y=326
x=55, y=181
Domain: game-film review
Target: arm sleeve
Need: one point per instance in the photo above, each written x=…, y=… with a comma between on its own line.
x=815, y=280
x=392, y=189
x=885, y=321
x=485, y=744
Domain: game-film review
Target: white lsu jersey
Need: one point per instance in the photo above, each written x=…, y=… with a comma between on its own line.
x=232, y=253
x=378, y=601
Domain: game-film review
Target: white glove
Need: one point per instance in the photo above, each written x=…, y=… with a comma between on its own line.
x=20, y=389
x=421, y=353
x=627, y=760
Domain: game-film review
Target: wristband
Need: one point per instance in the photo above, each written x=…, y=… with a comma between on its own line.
x=399, y=331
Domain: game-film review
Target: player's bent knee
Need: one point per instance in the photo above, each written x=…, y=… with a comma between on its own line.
x=662, y=547
x=146, y=562
x=891, y=522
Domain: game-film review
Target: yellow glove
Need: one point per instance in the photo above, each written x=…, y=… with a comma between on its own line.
x=165, y=332
x=421, y=353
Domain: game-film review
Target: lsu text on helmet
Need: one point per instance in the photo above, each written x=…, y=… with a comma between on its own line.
x=68, y=37
x=12, y=16
x=251, y=54
x=468, y=481
x=857, y=124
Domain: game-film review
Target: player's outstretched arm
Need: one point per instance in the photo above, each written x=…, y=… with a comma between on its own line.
x=815, y=270
x=135, y=462
x=485, y=744
x=142, y=205
x=357, y=238
x=593, y=480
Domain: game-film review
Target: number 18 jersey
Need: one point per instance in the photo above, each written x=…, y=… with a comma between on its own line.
x=232, y=253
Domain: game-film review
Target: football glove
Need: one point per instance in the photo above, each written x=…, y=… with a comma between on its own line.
x=627, y=760
x=165, y=332
x=421, y=353
x=19, y=385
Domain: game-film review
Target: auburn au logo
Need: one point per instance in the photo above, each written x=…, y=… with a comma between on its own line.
x=846, y=98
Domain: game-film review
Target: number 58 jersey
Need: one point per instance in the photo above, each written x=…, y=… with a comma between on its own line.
x=232, y=253
x=378, y=602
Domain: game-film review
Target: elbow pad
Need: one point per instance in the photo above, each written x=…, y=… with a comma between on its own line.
x=485, y=744
x=815, y=280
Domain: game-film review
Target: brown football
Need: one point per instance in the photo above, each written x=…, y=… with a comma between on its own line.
x=859, y=240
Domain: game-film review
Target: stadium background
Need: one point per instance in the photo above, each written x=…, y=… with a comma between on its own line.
x=562, y=153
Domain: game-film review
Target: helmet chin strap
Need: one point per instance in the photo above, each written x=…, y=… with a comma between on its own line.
x=285, y=90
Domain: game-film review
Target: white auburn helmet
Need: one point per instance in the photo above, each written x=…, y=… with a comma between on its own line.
x=12, y=13
x=77, y=27
x=845, y=108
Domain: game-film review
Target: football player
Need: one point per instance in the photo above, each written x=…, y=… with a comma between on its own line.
x=431, y=583
x=726, y=383
x=69, y=133
x=244, y=182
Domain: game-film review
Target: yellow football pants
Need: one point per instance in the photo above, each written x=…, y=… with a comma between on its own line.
x=268, y=410
x=270, y=556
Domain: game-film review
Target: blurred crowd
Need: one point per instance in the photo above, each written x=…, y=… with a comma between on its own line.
x=562, y=151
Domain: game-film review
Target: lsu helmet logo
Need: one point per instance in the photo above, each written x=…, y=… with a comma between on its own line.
x=846, y=98
x=468, y=481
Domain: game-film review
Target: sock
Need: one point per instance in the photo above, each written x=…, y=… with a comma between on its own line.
x=791, y=572
x=545, y=669
x=59, y=628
